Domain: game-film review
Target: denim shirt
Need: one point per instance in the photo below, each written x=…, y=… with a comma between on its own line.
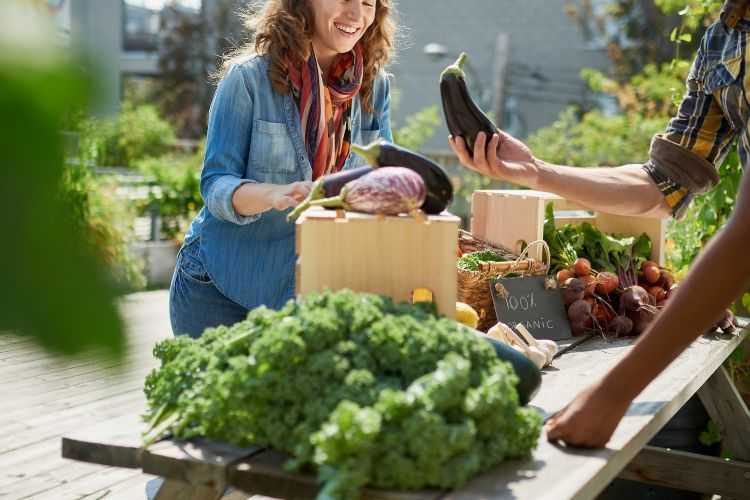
x=254, y=135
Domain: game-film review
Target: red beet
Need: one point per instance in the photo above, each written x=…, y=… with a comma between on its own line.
x=579, y=314
x=657, y=293
x=606, y=283
x=582, y=267
x=590, y=284
x=641, y=319
x=651, y=274
x=726, y=322
x=633, y=298
x=572, y=290
x=602, y=313
x=620, y=326
x=667, y=280
x=563, y=275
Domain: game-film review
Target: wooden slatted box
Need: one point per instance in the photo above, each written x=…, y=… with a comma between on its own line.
x=377, y=254
x=511, y=217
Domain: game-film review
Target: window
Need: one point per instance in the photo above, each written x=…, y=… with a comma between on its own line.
x=141, y=22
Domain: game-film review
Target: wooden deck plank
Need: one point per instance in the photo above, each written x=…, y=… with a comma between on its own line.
x=70, y=375
x=133, y=487
x=76, y=487
x=38, y=363
x=22, y=433
x=61, y=398
x=30, y=460
x=58, y=399
x=45, y=388
x=116, y=443
x=42, y=481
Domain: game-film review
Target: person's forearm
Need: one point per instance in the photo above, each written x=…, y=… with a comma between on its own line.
x=719, y=276
x=626, y=190
x=252, y=199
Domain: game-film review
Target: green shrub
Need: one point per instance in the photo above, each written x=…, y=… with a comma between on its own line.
x=106, y=222
x=174, y=190
x=138, y=132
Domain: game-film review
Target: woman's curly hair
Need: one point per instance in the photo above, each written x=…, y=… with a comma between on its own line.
x=282, y=26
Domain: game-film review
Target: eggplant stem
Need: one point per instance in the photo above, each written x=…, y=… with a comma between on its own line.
x=332, y=202
x=457, y=68
x=371, y=152
x=316, y=193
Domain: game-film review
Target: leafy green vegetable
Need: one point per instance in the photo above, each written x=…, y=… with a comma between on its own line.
x=564, y=243
x=367, y=391
x=472, y=261
x=606, y=252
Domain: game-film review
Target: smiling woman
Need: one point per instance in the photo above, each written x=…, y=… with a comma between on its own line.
x=287, y=108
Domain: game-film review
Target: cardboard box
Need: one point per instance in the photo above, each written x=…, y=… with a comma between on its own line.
x=511, y=217
x=385, y=255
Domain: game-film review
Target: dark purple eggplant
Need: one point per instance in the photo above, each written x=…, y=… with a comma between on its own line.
x=385, y=190
x=328, y=186
x=437, y=182
x=462, y=115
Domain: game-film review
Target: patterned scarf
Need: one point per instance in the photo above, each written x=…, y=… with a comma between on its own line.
x=324, y=107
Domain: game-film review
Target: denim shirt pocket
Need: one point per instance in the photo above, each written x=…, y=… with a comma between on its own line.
x=272, y=155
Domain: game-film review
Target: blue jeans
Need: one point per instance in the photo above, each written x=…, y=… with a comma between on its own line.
x=194, y=301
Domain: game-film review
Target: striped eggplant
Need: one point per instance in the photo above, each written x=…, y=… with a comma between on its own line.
x=462, y=115
x=328, y=186
x=385, y=190
x=439, y=187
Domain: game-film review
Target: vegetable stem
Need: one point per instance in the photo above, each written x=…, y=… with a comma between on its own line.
x=371, y=152
x=332, y=202
x=316, y=193
x=457, y=68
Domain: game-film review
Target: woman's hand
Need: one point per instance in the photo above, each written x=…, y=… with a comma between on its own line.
x=589, y=420
x=504, y=157
x=288, y=195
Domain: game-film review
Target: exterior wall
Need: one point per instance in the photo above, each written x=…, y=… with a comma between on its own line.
x=96, y=27
x=547, y=52
x=544, y=43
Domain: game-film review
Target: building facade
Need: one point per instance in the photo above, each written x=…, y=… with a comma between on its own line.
x=545, y=51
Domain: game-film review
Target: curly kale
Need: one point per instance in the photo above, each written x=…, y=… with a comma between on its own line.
x=367, y=391
x=472, y=261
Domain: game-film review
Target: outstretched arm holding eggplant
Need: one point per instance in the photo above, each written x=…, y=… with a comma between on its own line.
x=626, y=190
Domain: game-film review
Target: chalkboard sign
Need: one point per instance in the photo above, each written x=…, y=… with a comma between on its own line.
x=535, y=302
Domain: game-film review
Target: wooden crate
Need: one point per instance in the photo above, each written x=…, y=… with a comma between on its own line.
x=386, y=255
x=511, y=217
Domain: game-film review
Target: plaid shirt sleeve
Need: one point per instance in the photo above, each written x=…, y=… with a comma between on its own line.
x=684, y=159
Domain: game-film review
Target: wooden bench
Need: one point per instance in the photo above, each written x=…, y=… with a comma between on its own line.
x=203, y=469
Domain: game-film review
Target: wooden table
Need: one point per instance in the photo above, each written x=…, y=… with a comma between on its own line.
x=202, y=470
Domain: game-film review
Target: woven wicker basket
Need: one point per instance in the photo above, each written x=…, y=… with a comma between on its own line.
x=474, y=286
